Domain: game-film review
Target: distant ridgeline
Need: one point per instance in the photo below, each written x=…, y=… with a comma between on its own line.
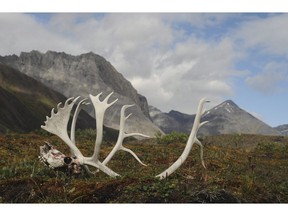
x=226, y=118
x=33, y=82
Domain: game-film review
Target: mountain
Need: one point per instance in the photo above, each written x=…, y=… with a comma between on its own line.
x=25, y=102
x=282, y=129
x=226, y=118
x=164, y=121
x=83, y=75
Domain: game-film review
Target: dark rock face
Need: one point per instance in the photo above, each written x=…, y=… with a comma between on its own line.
x=226, y=118
x=25, y=102
x=83, y=75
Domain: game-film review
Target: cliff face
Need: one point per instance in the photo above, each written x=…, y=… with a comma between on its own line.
x=25, y=102
x=83, y=75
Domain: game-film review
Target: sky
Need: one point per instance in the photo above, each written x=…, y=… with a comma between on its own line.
x=173, y=59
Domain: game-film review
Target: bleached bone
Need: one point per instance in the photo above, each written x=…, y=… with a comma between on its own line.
x=51, y=157
x=56, y=160
x=122, y=135
x=57, y=124
x=73, y=128
x=76, y=113
x=100, y=108
x=191, y=140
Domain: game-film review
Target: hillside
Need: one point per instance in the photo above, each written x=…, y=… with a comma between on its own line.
x=82, y=75
x=225, y=118
x=282, y=129
x=240, y=169
x=25, y=102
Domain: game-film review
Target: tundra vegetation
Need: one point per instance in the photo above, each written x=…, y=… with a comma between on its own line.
x=239, y=168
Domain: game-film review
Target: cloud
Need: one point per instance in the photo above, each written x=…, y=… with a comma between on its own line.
x=191, y=70
x=263, y=41
x=268, y=35
x=173, y=59
x=270, y=80
x=20, y=32
x=158, y=53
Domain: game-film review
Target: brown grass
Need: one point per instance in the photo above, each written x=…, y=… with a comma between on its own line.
x=240, y=168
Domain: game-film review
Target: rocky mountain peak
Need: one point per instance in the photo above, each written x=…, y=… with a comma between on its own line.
x=227, y=106
x=225, y=118
x=85, y=74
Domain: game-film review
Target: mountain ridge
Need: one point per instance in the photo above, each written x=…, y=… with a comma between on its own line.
x=86, y=74
x=225, y=118
x=25, y=102
x=283, y=129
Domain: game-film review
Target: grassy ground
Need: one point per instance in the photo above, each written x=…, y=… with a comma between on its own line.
x=240, y=168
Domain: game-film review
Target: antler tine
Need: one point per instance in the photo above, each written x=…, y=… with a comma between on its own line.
x=133, y=154
x=97, y=96
x=191, y=140
x=107, y=98
x=76, y=113
x=128, y=116
x=58, y=122
x=100, y=108
x=122, y=136
x=69, y=102
x=125, y=107
x=201, y=152
x=136, y=134
x=58, y=105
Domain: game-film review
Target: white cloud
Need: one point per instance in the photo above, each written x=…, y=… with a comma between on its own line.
x=166, y=62
x=20, y=32
x=269, y=34
x=269, y=80
x=263, y=40
x=171, y=69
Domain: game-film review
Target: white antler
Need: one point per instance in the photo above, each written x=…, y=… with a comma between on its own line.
x=58, y=122
x=122, y=135
x=76, y=113
x=100, y=108
x=191, y=140
x=73, y=127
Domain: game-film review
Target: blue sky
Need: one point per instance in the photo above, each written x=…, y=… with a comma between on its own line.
x=174, y=59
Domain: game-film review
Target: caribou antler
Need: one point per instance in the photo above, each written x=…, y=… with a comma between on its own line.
x=191, y=140
x=57, y=124
x=122, y=135
x=100, y=108
x=76, y=113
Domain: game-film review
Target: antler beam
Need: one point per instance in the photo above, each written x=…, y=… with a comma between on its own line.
x=100, y=108
x=122, y=135
x=58, y=122
x=191, y=140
